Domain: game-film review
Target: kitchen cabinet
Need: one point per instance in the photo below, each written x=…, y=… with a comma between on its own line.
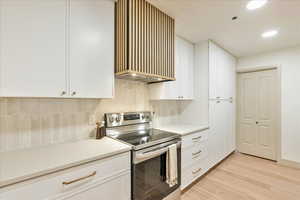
x=221, y=102
x=194, y=157
x=219, y=96
x=222, y=129
x=221, y=73
x=57, y=48
x=91, y=48
x=89, y=181
x=183, y=87
x=32, y=47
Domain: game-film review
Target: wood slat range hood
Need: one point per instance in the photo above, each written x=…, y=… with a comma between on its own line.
x=145, y=42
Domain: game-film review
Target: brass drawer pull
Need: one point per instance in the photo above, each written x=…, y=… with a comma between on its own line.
x=197, y=138
x=79, y=179
x=197, y=171
x=197, y=153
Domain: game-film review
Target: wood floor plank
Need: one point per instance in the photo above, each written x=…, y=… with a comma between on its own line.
x=243, y=177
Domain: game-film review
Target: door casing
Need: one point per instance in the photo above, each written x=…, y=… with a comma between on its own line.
x=277, y=112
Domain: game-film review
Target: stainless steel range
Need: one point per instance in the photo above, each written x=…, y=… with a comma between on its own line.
x=150, y=169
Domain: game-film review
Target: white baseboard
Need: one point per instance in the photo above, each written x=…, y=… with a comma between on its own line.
x=289, y=163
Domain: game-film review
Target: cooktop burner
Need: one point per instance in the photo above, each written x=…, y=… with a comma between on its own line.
x=148, y=136
x=135, y=128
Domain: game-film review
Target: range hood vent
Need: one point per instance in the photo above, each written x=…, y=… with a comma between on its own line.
x=144, y=42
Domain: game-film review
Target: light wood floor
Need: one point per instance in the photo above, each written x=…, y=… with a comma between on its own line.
x=242, y=177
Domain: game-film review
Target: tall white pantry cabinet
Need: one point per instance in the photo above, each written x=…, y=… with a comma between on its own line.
x=57, y=48
x=215, y=98
x=222, y=100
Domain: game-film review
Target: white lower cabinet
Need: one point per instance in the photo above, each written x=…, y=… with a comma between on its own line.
x=194, y=157
x=104, y=179
x=203, y=150
x=193, y=172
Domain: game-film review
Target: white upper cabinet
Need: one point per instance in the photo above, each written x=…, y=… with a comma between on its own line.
x=183, y=87
x=92, y=48
x=57, y=48
x=32, y=48
x=186, y=69
x=221, y=73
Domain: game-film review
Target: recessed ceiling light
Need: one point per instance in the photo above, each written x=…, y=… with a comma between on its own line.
x=255, y=4
x=234, y=18
x=133, y=74
x=270, y=33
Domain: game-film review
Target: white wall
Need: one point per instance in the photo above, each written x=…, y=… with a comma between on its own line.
x=289, y=61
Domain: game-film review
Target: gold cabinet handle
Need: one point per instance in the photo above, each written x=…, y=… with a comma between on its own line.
x=79, y=179
x=197, y=153
x=197, y=171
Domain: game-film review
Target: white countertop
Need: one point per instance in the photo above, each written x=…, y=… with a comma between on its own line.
x=183, y=129
x=16, y=166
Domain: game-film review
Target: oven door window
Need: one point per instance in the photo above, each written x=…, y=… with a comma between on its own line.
x=149, y=179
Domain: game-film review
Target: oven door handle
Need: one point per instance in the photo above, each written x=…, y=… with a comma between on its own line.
x=140, y=157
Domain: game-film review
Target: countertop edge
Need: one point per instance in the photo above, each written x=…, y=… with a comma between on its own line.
x=46, y=172
x=195, y=131
x=185, y=133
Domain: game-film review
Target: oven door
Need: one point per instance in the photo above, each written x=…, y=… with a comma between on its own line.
x=149, y=172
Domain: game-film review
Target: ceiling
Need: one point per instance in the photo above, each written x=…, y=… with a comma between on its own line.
x=200, y=20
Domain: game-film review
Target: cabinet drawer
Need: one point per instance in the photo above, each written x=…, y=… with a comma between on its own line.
x=194, y=153
x=71, y=180
x=194, y=139
x=193, y=172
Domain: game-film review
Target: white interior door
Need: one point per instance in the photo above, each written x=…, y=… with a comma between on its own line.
x=257, y=113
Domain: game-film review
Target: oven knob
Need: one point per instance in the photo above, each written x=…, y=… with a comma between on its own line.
x=111, y=119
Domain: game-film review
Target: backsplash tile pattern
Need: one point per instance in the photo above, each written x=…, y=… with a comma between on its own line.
x=26, y=122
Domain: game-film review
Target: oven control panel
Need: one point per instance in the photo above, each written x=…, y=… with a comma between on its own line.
x=127, y=118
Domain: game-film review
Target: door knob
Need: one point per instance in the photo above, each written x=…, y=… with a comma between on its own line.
x=257, y=123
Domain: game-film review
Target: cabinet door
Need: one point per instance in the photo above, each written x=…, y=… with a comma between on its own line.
x=226, y=89
x=221, y=73
x=91, y=48
x=104, y=190
x=232, y=123
x=186, y=70
x=212, y=71
x=214, y=133
x=33, y=47
x=218, y=130
x=229, y=129
x=183, y=87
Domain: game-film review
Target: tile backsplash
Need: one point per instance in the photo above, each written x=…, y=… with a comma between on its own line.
x=35, y=122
